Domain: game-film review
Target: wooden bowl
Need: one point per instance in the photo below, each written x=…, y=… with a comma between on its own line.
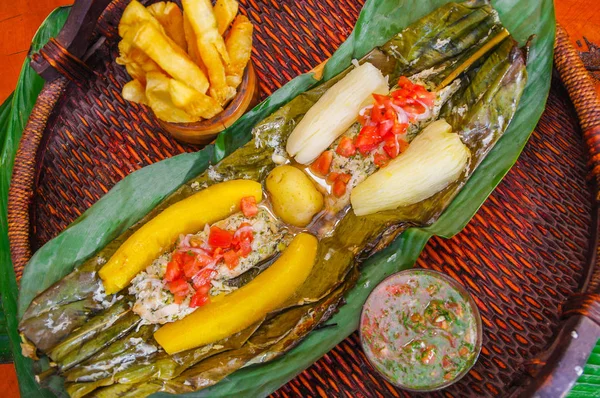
x=203, y=132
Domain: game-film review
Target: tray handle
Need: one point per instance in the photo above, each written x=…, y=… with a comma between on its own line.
x=562, y=363
x=62, y=56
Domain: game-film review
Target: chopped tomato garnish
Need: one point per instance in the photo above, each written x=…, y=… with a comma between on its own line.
x=179, y=258
x=232, y=259
x=191, y=268
x=179, y=287
x=346, y=147
x=199, y=299
x=385, y=127
x=339, y=187
x=202, y=278
x=173, y=271
x=381, y=159
x=399, y=128
x=403, y=145
x=391, y=146
x=377, y=113
x=322, y=164
x=248, y=205
x=404, y=82
x=382, y=100
x=362, y=119
x=415, y=109
x=344, y=177
x=245, y=247
x=219, y=237
x=367, y=140
x=331, y=177
x=217, y=254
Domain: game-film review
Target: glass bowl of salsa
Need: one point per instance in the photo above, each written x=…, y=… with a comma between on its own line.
x=421, y=330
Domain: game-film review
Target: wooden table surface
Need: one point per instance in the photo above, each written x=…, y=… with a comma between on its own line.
x=20, y=19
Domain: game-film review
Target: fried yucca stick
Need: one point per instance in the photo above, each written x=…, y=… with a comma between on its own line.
x=196, y=104
x=170, y=58
x=211, y=47
x=239, y=47
x=225, y=11
x=169, y=15
x=159, y=98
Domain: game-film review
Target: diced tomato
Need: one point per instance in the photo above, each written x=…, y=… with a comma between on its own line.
x=331, y=177
x=179, y=287
x=403, y=145
x=382, y=100
x=385, y=127
x=202, y=278
x=362, y=119
x=415, y=108
x=248, y=206
x=232, y=259
x=198, y=262
x=401, y=93
x=179, y=298
x=377, y=113
x=199, y=299
x=190, y=269
x=399, y=128
x=381, y=159
x=367, y=139
x=339, y=182
x=344, y=177
x=401, y=101
x=173, y=271
x=217, y=254
x=219, y=237
x=339, y=188
x=403, y=82
x=346, y=147
x=409, y=92
x=391, y=146
x=322, y=164
x=179, y=258
x=245, y=247
x=390, y=114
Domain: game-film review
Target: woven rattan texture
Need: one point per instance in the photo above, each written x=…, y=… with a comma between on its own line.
x=521, y=255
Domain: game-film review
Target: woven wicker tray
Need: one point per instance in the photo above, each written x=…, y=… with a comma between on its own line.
x=527, y=255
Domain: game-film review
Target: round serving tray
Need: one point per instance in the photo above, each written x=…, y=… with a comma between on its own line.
x=523, y=256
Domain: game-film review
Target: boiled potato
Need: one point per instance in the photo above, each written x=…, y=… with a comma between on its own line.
x=294, y=196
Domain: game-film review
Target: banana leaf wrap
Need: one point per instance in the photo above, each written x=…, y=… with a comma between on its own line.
x=490, y=88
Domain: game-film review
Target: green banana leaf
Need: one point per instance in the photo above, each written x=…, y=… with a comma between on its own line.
x=5, y=354
x=21, y=103
x=370, y=31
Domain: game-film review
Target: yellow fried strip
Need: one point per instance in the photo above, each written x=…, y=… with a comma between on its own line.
x=169, y=57
x=194, y=103
x=135, y=91
x=225, y=12
x=158, y=95
x=169, y=15
x=239, y=48
x=211, y=47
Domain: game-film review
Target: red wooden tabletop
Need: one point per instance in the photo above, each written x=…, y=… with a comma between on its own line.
x=19, y=21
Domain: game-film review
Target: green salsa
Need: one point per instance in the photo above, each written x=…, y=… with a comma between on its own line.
x=420, y=330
